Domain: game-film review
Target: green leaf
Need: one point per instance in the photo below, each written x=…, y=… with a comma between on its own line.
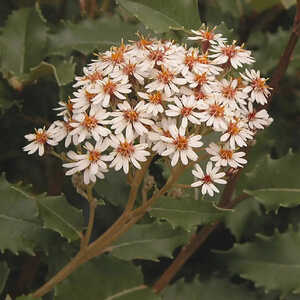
x=243, y=218
x=149, y=241
x=113, y=188
x=213, y=289
x=6, y=98
x=288, y=3
x=267, y=57
x=263, y=5
x=275, y=182
x=22, y=229
x=23, y=41
x=186, y=212
x=161, y=16
x=60, y=216
x=271, y=262
x=62, y=70
x=89, y=35
x=105, y=278
x=4, y=272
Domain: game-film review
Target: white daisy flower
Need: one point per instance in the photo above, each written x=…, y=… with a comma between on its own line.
x=181, y=146
x=65, y=108
x=126, y=152
x=207, y=181
x=223, y=155
x=87, y=125
x=62, y=130
x=237, y=133
x=258, y=89
x=130, y=70
x=257, y=119
x=200, y=80
x=83, y=100
x=155, y=104
x=166, y=81
x=216, y=115
x=208, y=36
x=93, y=162
x=39, y=139
x=233, y=55
x=131, y=119
x=188, y=109
x=91, y=76
x=108, y=88
x=230, y=93
x=158, y=130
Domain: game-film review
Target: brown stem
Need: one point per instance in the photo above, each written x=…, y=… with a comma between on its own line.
x=188, y=250
x=92, y=210
x=198, y=239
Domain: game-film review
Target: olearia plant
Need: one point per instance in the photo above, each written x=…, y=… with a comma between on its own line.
x=155, y=99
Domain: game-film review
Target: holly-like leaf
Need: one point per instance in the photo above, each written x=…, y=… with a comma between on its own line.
x=89, y=35
x=62, y=70
x=243, y=218
x=214, y=288
x=105, y=278
x=149, y=241
x=4, y=272
x=271, y=262
x=186, y=212
x=23, y=41
x=161, y=16
x=21, y=227
x=113, y=188
x=275, y=182
x=60, y=216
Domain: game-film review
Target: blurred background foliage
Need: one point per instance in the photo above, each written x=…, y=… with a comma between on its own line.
x=43, y=44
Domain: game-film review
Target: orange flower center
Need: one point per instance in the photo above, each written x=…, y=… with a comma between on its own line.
x=94, y=76
x=143, y=43
x=229, y=51
x=181, y=143
x=109, y=87
x=186, y=111
x=203, y=59
x=216, y=110
x=155, y=98
x=41, y=137
x=68, y=126
x=156, y=55
x=207, y=179
x=89, y=122
x=94, y=156
x=190, y=60
x=201, y=78
x=259, y=84
x=126, y=149
x=165, y=76
x=233, y=129
x=89, y=96
x=228, y=92
x=208, y=35
x=131, y=115
x=129, y=69
x=226, y=154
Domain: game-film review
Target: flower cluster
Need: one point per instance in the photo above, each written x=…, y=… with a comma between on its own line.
x=154, y=96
